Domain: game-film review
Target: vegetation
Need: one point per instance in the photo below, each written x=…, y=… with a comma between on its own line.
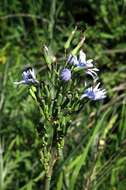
x=94, y=155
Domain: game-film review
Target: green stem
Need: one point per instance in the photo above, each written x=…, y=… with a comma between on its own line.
x=47, y=182
x=50, y=170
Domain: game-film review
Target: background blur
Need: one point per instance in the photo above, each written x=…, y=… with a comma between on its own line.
x=25, y=26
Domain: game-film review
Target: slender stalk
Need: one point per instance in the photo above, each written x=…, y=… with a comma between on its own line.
x=48, y=179
x=50, y=170
x=47, y=184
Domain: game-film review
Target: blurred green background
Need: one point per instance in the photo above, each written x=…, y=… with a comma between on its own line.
x=95, y=153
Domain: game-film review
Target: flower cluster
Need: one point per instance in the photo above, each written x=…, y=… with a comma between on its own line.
x=93, y=93
x=80, y=62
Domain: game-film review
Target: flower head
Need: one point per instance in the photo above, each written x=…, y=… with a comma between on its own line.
x=65, y=74
x=81, y=62
x=94, y=93
x=87, y=64
x=72, y=59
x=28, y=76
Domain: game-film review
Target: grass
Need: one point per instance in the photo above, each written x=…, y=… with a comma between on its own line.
x=94, y=154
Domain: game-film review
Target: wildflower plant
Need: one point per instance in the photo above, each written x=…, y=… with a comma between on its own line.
x=60, y=97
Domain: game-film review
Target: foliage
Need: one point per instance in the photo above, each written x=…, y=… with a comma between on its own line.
x=94, y=155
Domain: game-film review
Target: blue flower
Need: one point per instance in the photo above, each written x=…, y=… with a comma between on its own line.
x=88, y=65
x=82, y=63
x=65, y=74
x=72, y=59
x=94, y=93
x=28, y=76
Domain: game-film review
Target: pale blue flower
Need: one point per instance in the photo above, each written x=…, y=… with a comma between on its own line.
x=94, y=93
x=28, y=77
x=82, y=63
x=87, y=65
x=72, y=59
x=65, y=74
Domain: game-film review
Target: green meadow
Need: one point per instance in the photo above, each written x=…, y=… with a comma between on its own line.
x=94, y=154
